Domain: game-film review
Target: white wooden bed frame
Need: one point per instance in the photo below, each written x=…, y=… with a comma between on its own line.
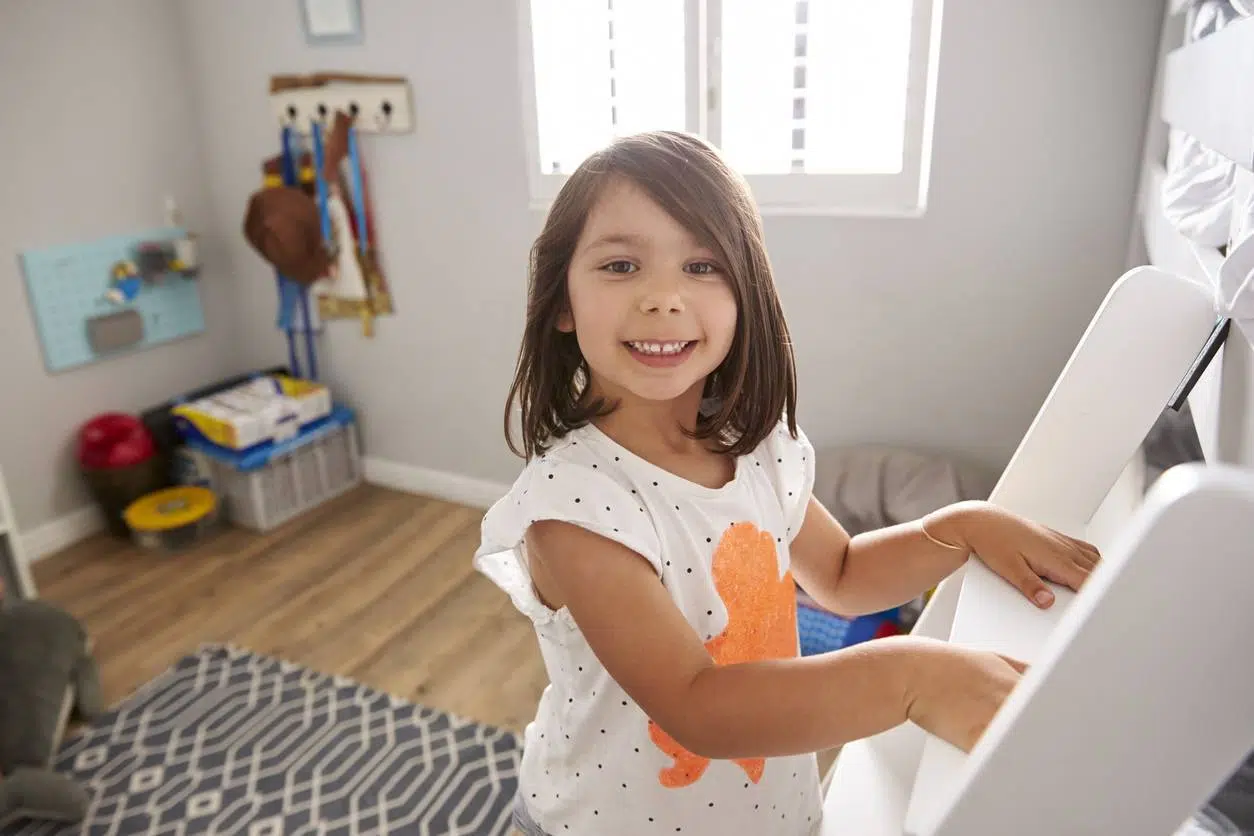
x=1138, y=703
x=13, y=559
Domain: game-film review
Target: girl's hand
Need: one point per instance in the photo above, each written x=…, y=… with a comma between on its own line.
x=1023, y=552
x=957, y=691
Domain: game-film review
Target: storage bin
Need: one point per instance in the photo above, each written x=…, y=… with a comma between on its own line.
x=117, y=457
x=820, y=631
x=265, y=488
x=263, y=409
x=173, y=519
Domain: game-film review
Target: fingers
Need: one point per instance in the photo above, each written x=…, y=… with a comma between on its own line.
x=1084, y=557
x=1085, y=561
x=1088, y=560
x=1031, y=585
x=1085, y=553
x=1047, y=556
x=1021, y=667
x=1071, y=562
x=1067, y=573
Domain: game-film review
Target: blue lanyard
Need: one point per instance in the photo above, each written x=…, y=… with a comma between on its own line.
x=325, y=216
x=293, y=294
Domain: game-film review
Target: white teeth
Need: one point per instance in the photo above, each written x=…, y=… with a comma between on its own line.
x=659, y=348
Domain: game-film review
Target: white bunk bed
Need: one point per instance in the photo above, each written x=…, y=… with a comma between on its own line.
x=15, y=577
x=1134, y=710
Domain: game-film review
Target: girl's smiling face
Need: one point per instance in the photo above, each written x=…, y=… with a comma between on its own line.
x=651, y=308
x=650, y=286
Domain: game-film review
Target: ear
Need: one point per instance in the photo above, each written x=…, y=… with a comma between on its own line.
x=566, y=322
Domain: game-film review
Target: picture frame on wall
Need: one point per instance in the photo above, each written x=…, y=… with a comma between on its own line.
x=331, y=22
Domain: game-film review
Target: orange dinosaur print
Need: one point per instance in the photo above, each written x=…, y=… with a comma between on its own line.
x=761, y=624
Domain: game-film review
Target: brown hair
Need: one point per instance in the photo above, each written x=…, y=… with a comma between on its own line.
x=756, y=383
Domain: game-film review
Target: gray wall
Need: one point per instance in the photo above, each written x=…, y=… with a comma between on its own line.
x=98, y=130
x=944, y=332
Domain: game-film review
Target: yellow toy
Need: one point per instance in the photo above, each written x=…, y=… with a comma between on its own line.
x=172, y=518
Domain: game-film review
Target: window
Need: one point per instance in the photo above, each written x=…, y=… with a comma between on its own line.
x=824, y=105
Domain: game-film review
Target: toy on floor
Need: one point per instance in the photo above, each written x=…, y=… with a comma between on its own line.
x=47, y=673
x=119, y=462
x=173, y=518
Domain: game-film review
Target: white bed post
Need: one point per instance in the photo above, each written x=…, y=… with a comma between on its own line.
x=1134, y=354
x=1136, y=708
x=12, y=554
x=1120, y=377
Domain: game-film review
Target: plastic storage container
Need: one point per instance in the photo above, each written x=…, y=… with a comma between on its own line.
x=118, y=460
x=820, y=631
x=266, y=408
x=172, y=519
x=268, y=485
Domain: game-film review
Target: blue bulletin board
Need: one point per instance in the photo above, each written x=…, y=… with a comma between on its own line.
x=66, y=286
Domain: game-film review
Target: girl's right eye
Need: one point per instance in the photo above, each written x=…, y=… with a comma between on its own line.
x=620, y=267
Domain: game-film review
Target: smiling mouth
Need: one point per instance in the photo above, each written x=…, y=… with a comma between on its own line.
x=660, y=349
x=660, y=354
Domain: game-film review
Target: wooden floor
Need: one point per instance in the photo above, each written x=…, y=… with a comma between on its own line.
x=376, y=585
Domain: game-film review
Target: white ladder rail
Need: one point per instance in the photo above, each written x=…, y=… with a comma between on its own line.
x=11, y=548
x=1135, y=351
x=1129, y=720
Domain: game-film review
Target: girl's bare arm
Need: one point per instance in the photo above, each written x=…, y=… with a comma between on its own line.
x=754, y=709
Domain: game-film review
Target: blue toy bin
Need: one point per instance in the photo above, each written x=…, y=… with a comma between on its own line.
x=822, y=632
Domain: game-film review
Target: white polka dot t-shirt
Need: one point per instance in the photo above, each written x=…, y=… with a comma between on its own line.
x=593, y=763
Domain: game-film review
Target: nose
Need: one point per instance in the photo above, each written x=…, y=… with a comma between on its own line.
x=661, y=296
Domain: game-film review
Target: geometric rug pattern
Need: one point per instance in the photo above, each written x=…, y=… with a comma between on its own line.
x=232, y=742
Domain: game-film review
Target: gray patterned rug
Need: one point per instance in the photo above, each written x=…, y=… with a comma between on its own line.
x=231, y=742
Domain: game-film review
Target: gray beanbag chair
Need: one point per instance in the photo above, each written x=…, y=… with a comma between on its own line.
x=872, y=486
x=47, y=673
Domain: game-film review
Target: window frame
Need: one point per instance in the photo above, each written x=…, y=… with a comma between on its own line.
x=902, y=194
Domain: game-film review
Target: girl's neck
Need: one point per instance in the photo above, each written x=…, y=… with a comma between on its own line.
x=656, y=432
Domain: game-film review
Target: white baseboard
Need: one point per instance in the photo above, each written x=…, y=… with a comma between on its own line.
x=450, y=487
x=61, y=533
x=66, y=530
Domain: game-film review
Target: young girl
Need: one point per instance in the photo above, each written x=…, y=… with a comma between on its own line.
x=664, y=518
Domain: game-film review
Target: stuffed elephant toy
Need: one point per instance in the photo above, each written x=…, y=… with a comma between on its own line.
x=44, y=652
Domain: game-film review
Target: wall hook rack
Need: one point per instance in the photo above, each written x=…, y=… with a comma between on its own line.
x=379, y=104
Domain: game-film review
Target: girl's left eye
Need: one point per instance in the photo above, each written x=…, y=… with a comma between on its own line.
x=620, y=267
x=703, y=268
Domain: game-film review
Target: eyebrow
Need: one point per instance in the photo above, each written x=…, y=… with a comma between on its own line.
x=616, y=238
